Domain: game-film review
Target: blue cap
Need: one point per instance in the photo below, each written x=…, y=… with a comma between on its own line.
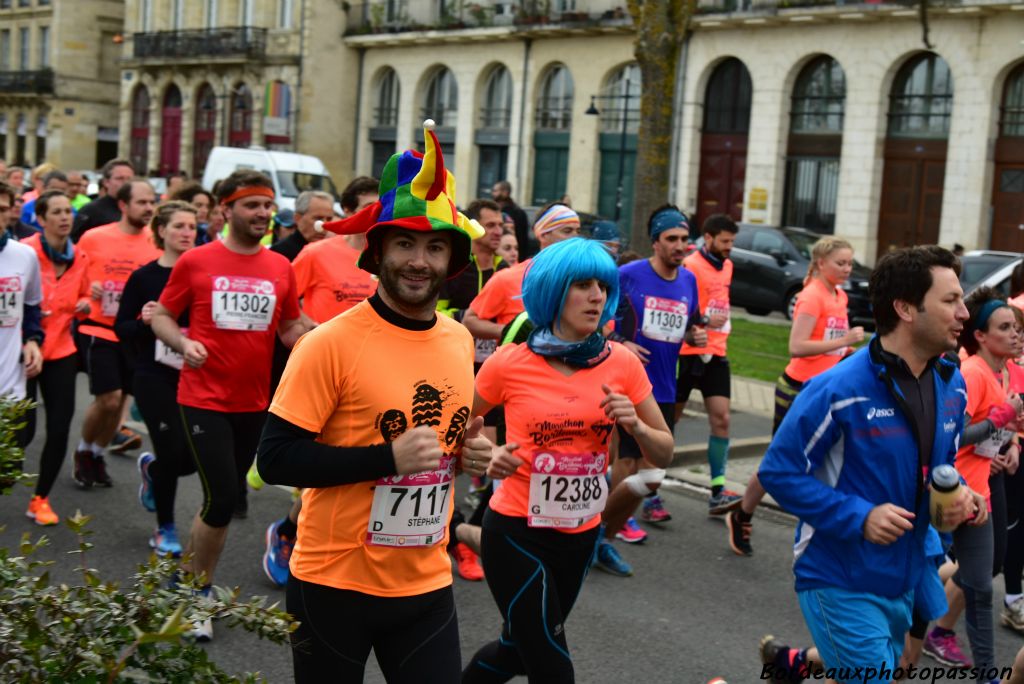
x=285, y=217
x=667, y=219
x=605, y=231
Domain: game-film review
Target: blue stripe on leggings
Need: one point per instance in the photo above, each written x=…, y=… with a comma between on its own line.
x=494, y=669
x=544, y=596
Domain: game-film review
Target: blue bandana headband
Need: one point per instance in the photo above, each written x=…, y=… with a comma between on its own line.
x=667, y=219
x=986, y=312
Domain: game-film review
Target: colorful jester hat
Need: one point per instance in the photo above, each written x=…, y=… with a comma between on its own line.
x=416, y=193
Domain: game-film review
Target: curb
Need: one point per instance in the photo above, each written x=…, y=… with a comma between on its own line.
x=691, y=454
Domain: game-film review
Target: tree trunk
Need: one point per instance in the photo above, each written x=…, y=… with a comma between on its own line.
x=661, y=27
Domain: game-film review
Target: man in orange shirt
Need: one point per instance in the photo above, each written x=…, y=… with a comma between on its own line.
x=371, y=418
x=114, y=251
x=707, y=367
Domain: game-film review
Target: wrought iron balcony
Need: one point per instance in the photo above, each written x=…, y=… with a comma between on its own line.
x=38, y=82
x=246, y=42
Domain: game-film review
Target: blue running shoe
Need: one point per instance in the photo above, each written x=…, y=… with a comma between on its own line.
x=165, y=541
x=277, y=555
x=146, y=497
x=608, y=559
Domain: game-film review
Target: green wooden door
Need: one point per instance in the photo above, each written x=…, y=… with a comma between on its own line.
x=611, y=146
x=550, y=166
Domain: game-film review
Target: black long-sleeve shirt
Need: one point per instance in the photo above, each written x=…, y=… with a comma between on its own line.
x=99, y=212
x=144, y=285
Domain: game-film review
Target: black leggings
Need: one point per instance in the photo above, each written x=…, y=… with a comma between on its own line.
x=997, y=488
x=535, y=576
x=223, y=446
x=415, y=638
x=156, y=397
x=1013, y=564
x=56, y=382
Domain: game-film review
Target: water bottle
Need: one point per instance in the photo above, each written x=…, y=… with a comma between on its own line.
x=945, y=491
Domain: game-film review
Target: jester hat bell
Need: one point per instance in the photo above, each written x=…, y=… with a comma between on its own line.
x=417, y=193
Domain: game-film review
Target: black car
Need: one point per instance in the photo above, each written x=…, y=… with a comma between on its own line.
x=769, y=267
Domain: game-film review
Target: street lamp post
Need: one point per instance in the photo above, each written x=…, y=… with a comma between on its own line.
x=593, y=111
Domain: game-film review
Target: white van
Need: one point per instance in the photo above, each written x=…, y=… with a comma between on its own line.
x=292, y=173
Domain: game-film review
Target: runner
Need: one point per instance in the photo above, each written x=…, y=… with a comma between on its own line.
x=113, y=252
x=370, y=419
x=819, y=338
x=156, y=373
x=104, y=210
x=655, y=314
x=861, y=548
x=65, y=296
x=564, y=392
x=238, y=296
x=508, y=248
x=1012, y=613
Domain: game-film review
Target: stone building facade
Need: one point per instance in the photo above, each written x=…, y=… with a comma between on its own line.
x=59, y=81
x=831, y=116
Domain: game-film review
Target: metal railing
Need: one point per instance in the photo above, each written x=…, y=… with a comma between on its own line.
x=239, y=41
x=38, y=82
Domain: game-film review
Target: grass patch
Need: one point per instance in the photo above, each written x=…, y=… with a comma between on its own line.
x=758, y=350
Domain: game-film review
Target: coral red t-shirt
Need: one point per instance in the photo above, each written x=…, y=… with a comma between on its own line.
x=500, y=299
x=984, y=391
x=550, y=414
x=329, y=281
x=831, y=321
x=713, y=295
x=234, y=303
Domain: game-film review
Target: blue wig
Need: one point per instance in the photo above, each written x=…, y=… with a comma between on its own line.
x=553, y=271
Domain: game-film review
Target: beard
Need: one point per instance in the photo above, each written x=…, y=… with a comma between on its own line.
x=401, y=292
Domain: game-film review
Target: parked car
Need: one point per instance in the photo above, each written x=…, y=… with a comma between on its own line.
x=769, y=267
x=979, y=267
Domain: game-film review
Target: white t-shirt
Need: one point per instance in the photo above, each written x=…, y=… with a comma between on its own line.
x=20, y=284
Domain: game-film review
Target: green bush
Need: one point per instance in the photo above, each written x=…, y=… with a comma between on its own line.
x=99, y=631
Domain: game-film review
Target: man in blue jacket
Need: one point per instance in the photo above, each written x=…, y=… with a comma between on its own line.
x=852, y=457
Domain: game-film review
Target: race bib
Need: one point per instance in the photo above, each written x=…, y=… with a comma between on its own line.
x=664, y=319
x=836, y=328
x=168, y=356
x=111, y=299
x=412, y=510
x=566, y=490
x=716, y=307
x=991, y=446
x=241, y=303
x=12, y=302
x=484, y=349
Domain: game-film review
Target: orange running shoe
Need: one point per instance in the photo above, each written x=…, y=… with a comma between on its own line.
x=40, y=511
x=467, y=563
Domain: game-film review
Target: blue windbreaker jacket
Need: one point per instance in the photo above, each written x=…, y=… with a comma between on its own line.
x=846, y=446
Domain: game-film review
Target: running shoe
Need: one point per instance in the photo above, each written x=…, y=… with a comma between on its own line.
x=83, y=470
x=40, y=511
x=774, y=652
x=1013, y=615
x=945, y=649
x=126, y=439
x=723, y=502
x=739, y=534
x=99, y=472
x=467, y=563
x=653, y=510
x=165, y=541
x=146, y=497
x=631, y=532
x=202, y=631
x=277, y=555
x=608, y=559
x=254, y=479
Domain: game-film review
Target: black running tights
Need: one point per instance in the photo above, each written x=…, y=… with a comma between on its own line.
x=156, y=397
x=56, y=382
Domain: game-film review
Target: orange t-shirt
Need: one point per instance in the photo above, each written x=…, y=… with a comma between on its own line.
x=113, y=255
x=713, y=297
x=60, y=295
x=984, y=390
x=359, y=380
x=547, y=412
x=328, y=280
x=500, y=299
x=831, y=321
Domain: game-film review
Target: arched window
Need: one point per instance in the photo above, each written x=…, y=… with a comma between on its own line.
x=172, y=98
x=613, y=101
x=1011, y=119
x=139, y=146
x=497, y=109
x=727, y=102
x=819, y=98
x=240, y=134
x=386, y=111
x=441, y=98
x=921, y=99
x=205, y=128
x=554, y=105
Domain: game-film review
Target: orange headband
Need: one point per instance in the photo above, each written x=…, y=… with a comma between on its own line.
x=248, y=191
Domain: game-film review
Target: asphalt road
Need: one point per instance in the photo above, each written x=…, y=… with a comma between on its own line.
x=692, y=611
